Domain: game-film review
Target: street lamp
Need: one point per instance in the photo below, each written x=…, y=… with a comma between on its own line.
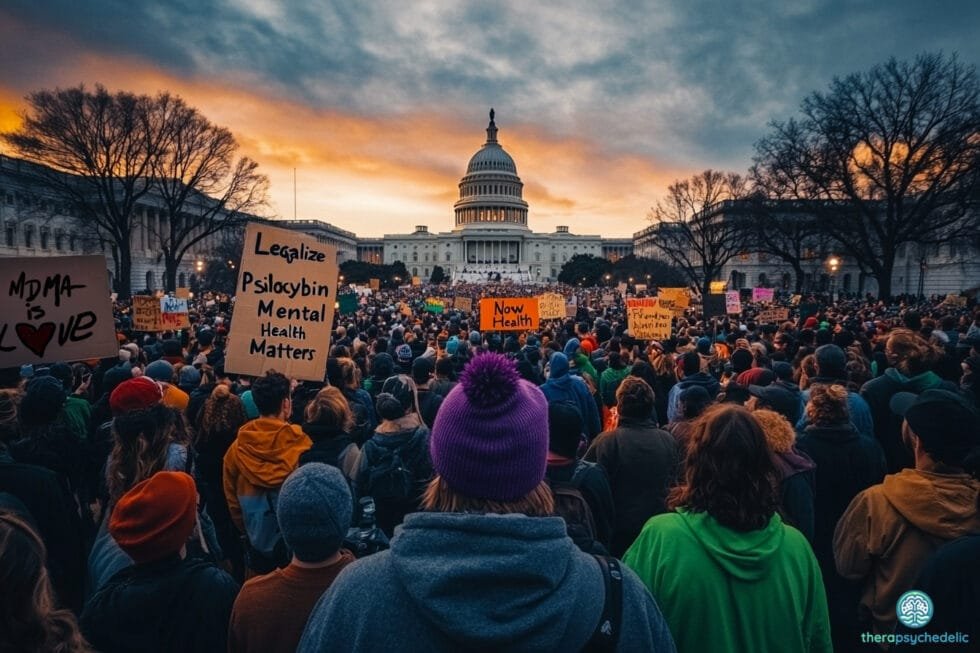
x=199, y=265
x=834, y=264
x=607, y=277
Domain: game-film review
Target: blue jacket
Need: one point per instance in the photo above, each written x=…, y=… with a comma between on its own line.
x=561, y=386
x=471, y=582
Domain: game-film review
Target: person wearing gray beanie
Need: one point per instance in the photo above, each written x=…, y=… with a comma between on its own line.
x=314, y=513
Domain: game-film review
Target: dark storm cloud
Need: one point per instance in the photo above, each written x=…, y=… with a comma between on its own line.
x=690, y=83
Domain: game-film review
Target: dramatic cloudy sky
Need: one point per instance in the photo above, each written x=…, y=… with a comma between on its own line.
x=379, y=105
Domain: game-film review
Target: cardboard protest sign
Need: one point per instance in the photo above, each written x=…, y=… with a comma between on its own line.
x=463, y=304
x=435, y=305
x=762, y=294
x=551, y=306
x=717, y=287
x=733, y=302
x=773, y=316
x=953, y=299
x=183, y=293
x=509, y=314
x=416, y=281
x=173, y=313
x=795, y=300
x=714, y=306
x=284, y=305
x=681, y=297
x=647, y=319
x=640, y=287
x=55, y=309
x=146, y=313
x=375, y=284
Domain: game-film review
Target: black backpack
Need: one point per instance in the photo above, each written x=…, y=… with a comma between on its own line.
x=571, y=505
x=389, y=476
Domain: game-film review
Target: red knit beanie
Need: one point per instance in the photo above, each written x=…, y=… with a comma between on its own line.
x=811, y=323
x=138, y=393
x=155, y=517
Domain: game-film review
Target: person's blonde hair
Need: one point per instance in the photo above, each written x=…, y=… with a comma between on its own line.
x=910, y=353
x=439, y=497
x=779, y=432
x=828, y=405
x=330, y=408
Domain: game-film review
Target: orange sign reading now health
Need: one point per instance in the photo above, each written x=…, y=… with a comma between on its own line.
x=509, y=314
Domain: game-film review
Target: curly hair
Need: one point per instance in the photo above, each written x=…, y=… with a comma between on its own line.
x=828, y=405
x=910, y=353
x=729, y=472
x=29, y=620
x=779, y=432
x=634, y=398
x=223, y=413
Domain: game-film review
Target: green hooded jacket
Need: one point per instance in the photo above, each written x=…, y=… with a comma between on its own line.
x=725, y=590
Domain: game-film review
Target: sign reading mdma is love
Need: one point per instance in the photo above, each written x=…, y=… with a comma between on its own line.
x=509, y=314
x=284, y=305
x=55, y=309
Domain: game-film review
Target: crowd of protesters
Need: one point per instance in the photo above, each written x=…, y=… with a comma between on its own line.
x=738, y=486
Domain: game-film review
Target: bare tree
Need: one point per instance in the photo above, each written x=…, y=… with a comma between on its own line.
x=203, y=189
x=692, y=232
x=886, y=157
x=98, y=152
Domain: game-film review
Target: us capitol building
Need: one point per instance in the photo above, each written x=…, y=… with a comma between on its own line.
x=491, y=239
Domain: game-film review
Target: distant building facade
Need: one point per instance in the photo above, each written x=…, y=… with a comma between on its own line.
x=919, y=269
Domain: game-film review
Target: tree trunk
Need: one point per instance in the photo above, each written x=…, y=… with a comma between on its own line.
x=170, y=273
x=884, y=277
x=800, y=277
x=124, y=271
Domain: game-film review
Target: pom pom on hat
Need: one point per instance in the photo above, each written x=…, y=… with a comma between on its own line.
x=490, y=437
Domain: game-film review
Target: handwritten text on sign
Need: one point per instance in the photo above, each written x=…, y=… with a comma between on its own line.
x=55, y=309
x=173, y=313
x=146, y=313
x=284, y=306
x=733, y=302
x=647, y=319
x=509, y=314
x=551, y=306
x=762, y=294
x=773, y=315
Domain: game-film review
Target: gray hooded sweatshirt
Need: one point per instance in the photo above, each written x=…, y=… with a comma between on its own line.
x=471, y=582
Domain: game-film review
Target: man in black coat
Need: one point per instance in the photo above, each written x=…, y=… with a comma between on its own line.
x=165, y=602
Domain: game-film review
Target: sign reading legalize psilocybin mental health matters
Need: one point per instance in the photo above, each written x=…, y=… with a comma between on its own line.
x=284, y=305
x=55, y=309
x=509, y=314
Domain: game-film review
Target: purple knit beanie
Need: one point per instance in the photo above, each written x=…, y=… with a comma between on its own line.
x=490, y=437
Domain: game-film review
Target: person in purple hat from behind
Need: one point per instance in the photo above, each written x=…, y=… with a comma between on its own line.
x=486, y=566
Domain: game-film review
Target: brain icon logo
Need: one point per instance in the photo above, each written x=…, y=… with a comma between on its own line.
x=914, y=609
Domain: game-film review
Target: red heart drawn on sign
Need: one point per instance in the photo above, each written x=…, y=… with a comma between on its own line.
x=35, y=339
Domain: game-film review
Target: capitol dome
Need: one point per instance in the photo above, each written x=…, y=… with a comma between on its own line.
x=491, y=192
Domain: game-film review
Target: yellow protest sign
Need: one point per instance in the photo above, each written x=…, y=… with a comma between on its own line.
x=717, y=287
x=551, y=306
x=509, y=314
x=647, y=319
x=146, y=313
x=680, y=296
x=375, y=284
x=284, y=305
x=182, y=293
x=463, y=304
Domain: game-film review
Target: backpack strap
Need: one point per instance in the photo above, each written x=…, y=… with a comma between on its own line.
x=605, y=637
